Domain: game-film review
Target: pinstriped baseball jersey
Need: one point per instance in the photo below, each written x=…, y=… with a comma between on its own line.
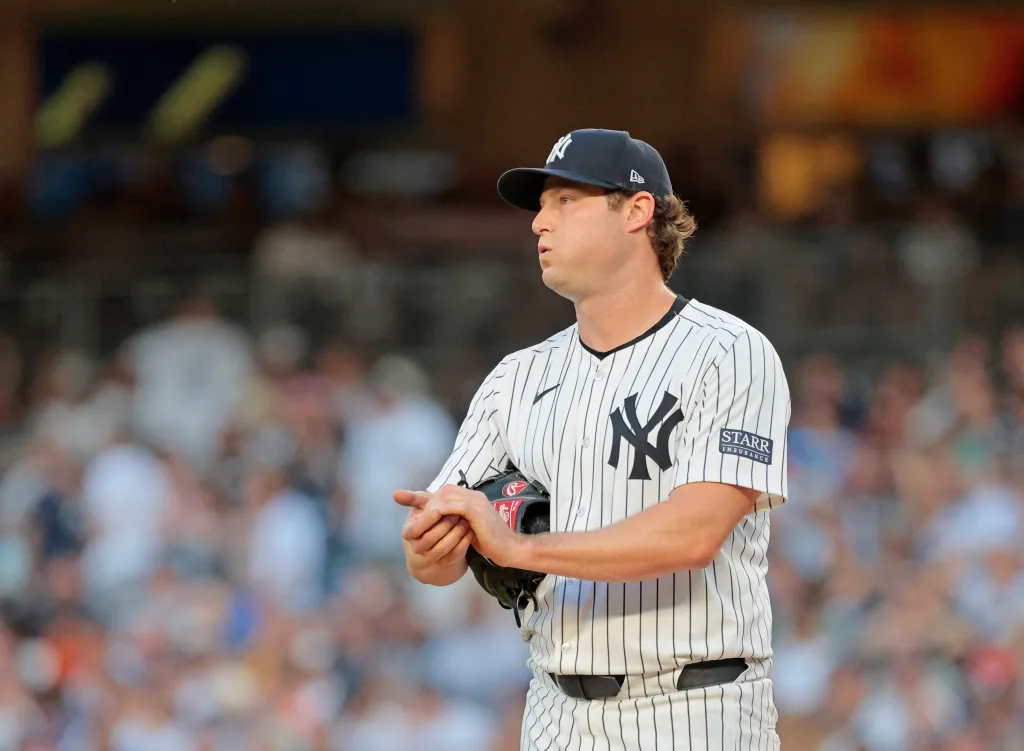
x=701, y=396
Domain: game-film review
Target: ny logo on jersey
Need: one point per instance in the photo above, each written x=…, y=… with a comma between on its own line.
x=558, y=150
x=636, y=434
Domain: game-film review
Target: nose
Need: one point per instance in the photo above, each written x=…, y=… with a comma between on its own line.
x=541, y=222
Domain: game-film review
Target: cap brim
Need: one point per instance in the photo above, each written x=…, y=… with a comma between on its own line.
x=522, y=186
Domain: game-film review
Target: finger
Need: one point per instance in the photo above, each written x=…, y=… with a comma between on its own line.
x=455, y=489
x=455, y=492
x=449, y=541
x=411, y=498
x=446, y=506
x=418, y=524
x=434, y=535
x=459, y=553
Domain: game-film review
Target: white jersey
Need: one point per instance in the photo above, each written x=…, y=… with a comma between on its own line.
x=701, y=396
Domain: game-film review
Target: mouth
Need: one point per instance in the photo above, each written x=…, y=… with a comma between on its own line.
x=542, y=249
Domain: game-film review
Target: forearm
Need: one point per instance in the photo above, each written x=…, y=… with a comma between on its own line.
x=429, y=572
x=669, y=537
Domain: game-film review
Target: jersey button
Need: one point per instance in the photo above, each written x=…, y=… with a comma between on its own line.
x=599, y=375
x=582, y=510
x=586, y=442
x=566, y=648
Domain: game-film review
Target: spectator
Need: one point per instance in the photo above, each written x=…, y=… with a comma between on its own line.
x=820, y=455
x=821, y=449
x=307, y=248
x=71, y=415
x=399, y=441
x=193, y=530
x=126, y=500
x=480, y=634
x=990, y=592
x=989, y=516
x=345, y=371
x=58, y=523
x=188, y=372
x=936, y=252
x=911, y=707
x=803, y=664
x=286, y=555
x=1010, y=435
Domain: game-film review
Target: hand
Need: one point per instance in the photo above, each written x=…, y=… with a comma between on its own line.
x=492, y=536
x=434, y=538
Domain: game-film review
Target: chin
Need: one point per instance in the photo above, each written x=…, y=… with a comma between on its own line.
x=551, y=278
x=557, y=283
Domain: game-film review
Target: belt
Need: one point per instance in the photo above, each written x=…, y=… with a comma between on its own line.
x=695, y=675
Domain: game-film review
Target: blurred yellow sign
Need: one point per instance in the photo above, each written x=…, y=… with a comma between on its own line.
x=797, y=172
x=885, y=67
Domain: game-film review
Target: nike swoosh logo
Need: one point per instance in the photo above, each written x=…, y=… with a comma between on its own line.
x=545, y=392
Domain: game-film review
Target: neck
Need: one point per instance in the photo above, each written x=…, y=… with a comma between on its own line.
x=611, y=319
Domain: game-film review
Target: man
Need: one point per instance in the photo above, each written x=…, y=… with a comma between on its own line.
x=189, y=373
x=658, y=425
x=399, y=438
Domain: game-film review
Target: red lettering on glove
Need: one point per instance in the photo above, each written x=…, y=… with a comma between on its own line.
x=507, y=510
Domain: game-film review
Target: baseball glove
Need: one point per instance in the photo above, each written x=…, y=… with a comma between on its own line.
x=525, y=506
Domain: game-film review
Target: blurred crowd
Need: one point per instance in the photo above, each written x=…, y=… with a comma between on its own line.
x=897, y=573
x=198, y=548
x=198, y=551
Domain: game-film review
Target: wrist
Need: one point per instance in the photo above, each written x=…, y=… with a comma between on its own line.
x=437, y=573
x=521, y=552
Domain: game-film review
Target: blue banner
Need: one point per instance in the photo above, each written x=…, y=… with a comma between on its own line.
x=332, y=79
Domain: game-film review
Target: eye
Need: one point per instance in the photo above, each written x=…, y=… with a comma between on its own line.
x=564, y=200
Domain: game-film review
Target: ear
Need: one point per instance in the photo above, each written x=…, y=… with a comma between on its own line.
x=639, y=211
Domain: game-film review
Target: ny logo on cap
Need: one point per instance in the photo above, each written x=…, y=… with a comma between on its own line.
x=558, y=150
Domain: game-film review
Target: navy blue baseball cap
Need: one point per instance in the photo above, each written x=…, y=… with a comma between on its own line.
x=609, y=159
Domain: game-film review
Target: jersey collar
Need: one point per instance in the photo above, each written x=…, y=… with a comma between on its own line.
x=677, y=308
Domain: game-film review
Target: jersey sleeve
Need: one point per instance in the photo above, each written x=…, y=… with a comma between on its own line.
x=736, y=430
x=480, y=446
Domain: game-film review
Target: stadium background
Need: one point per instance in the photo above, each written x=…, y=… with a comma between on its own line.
x=252, y=268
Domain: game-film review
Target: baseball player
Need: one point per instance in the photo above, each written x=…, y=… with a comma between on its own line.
x=656, y=425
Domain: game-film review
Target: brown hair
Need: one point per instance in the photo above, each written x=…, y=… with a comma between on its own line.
x=669, y=230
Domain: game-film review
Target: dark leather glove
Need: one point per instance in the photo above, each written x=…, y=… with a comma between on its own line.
x=526, y=507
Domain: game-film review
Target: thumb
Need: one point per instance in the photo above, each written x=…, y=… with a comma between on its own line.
x=411, y=498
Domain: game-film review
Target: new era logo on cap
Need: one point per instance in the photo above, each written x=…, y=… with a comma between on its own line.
x=602, y=158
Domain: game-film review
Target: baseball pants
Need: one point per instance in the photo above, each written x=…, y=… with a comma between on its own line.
x=728, y=717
